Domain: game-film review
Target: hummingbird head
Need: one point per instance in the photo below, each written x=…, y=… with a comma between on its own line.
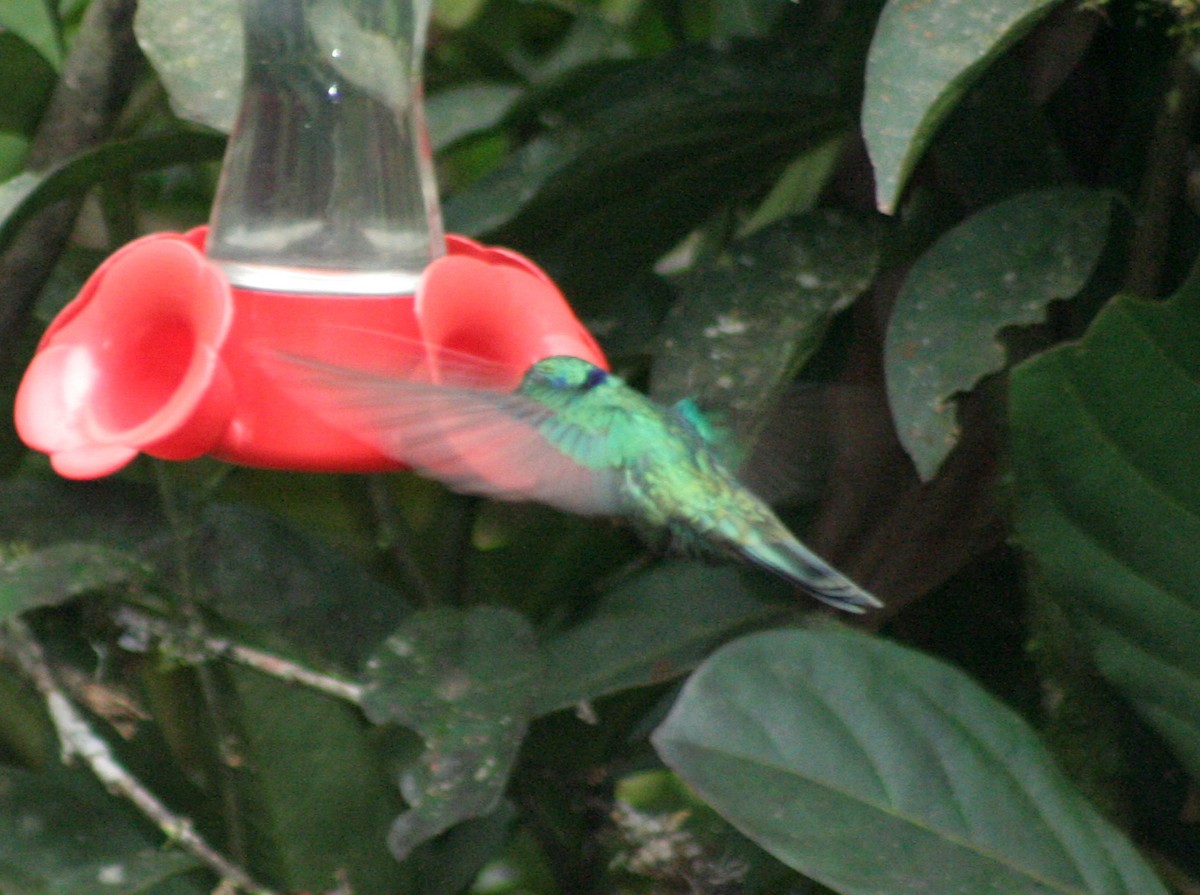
x=561, y=377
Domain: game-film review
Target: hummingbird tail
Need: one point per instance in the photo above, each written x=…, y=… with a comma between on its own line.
x=792, y=561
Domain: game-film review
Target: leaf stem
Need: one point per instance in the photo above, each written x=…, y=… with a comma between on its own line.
x=79, y=740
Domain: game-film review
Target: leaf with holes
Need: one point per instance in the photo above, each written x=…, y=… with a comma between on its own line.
x=465, y=682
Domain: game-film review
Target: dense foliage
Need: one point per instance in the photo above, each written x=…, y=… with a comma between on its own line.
x=929, y=261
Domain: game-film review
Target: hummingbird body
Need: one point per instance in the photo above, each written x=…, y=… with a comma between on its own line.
x=578, y=438
x=670, y=477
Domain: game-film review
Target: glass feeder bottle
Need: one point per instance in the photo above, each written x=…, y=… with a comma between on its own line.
x=328, y=185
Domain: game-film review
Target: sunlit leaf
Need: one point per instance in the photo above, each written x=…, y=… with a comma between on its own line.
x=923, y=59
x=1104, y=438
x=1001, y=267
x=56, y=574
x=196, y=46
x=36, y=23
x=872, y=768
x=464, y=681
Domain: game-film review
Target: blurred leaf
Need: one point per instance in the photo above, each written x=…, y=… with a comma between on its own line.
x=36, y=23
x=462, y=111
x=259, y=572
x=1000, y=267
x=61, y=834
x=455, y=14
x=923, y=59
x=23, y=65
x=464, y=681
x=196, y=48
x=799, y=187
x=650, y=629
x=315, y=795
x=24, y=195
x=56, y=574
x=872, y=768
x=112, y=512
x=746, y=322
x=1104, y=439
x=645, y=156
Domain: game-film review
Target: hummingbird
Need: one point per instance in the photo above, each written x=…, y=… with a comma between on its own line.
x=578, y=438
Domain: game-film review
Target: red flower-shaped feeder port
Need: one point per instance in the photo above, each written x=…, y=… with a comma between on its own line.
x=159, y=355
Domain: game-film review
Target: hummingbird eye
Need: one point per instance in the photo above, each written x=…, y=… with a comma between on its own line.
x=594, y=377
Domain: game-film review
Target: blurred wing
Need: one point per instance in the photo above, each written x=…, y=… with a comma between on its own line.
x=472, y=440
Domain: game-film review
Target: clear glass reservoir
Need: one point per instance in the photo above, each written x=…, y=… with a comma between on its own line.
x=328, y=185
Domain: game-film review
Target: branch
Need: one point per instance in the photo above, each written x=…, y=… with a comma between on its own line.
x=77, y=739
x=96, y=80
x=202, y=647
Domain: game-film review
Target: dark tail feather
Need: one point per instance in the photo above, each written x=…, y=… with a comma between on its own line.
x=794, y=562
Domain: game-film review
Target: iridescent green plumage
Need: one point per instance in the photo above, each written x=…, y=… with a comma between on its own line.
x=670, y=477
x=578, y=438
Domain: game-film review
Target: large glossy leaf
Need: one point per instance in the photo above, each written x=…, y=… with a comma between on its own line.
x=644, y=156
x=651, y=629
x=923, y=58
x=465, y=682
x=745, y=322
x=1000, y=267
x=56, y=574
x=61, y=834
x=1104, y=439
x=875, y=769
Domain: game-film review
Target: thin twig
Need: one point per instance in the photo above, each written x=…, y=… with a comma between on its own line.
x=198, y=647
x=78, y=739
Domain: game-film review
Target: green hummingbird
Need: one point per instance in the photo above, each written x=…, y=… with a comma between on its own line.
x=577, y=438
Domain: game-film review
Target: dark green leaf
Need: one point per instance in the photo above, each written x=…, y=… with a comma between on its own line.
x=56, y=574
x=1104, y=439
x=923, y=59
x=645, y=156
x=21, y=64
x=61, y=834
x=313, y=789
x=259, y=572
x=464, y=681
x=114, y=513
x=1001, y=267
x=651, y=629
x=872, y=768
x=24, y=195
x=746, y=322
x=196, y=48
